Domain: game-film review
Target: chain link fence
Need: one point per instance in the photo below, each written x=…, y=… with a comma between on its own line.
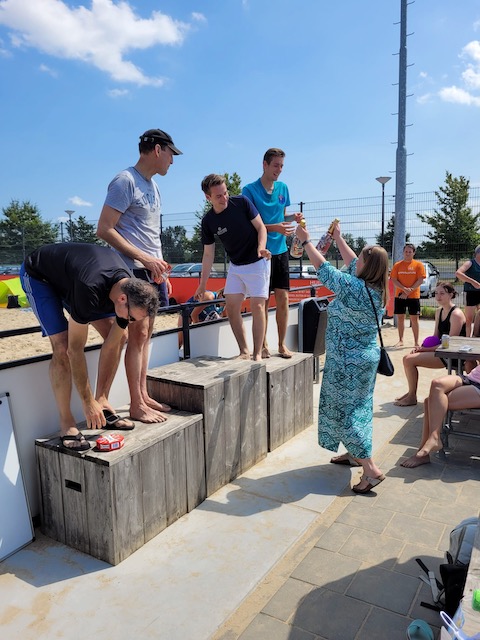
x=362, y=219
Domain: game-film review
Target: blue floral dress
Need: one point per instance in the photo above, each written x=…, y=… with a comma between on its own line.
x=352, y=354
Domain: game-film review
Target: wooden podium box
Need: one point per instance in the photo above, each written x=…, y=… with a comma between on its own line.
x=290, y=397
x=232, y=396
x=109, y=504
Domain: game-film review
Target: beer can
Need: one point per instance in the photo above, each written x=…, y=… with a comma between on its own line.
x=445, y=341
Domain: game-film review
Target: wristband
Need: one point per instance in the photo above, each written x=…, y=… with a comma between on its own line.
x=306, y=242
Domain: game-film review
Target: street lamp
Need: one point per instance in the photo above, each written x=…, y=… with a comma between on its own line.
x=70, y=213
x=383, y=180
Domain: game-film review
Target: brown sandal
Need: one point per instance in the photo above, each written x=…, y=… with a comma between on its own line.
x=372, y=482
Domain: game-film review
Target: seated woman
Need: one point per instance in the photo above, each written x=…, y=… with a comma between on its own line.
x=448, y=319
x=451, y=392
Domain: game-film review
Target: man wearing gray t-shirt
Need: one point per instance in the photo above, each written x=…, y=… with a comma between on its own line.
x=130, y=223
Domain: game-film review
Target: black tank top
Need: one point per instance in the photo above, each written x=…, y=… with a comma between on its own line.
x=444, y=325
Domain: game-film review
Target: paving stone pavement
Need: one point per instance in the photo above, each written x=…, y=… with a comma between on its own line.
x=353, y=575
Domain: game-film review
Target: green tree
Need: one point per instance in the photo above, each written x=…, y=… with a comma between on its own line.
x=83, y=231
x=22, y=230
x=356, y=244
x=175, y=244
x=454, y=227
x=388, y=236
x=234, y=188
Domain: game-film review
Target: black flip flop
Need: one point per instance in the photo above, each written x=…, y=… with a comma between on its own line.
x=84, y=446
x=113, y=419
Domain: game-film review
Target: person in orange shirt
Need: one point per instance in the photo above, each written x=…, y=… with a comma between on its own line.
x=407, y=275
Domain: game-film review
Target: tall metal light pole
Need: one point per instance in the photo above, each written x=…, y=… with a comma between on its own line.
x=383, y=180
x=70, y=213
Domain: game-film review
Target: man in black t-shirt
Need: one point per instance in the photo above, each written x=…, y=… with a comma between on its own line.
x=95, y=286
x=239, y=226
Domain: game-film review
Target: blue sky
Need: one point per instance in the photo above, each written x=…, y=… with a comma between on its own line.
x=228, y=79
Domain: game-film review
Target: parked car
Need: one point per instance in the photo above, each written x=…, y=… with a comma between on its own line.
x=429, y=284
x=307, y=271
x=188, y=269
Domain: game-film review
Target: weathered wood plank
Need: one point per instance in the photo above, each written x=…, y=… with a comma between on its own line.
x=48, y=465
x=110, y=504
x=175, y=477
x=154, y=490
x=98, y=495
x=260, y=415
x=74, y=502
x=232, y=429
x=308, y=364
x=290, y=397
x=195, y=455
x=127, y=508
x=217, y=388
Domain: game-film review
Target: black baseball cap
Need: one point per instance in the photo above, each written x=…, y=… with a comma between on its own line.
x=158, y=136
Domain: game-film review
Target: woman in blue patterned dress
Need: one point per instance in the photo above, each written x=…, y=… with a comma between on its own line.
x=352, y=353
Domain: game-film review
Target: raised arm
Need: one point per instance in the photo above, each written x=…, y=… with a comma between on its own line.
x=347, y=253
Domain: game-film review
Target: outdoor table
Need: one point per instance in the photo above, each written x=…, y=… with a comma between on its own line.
x=454, y=351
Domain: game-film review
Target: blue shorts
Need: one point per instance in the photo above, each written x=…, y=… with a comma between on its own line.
x=48, y=306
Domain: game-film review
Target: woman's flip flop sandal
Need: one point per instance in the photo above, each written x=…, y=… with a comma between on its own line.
x=346, y=459
x=372, y=482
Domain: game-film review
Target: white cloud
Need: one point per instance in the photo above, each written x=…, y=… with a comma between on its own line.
x=51, y=72
x=118, y=93
x=198, y=17
x=423, y=74
x=100, y=36
x=79, y=202
x=423, y=99
x=470, y=77
x=459, y=96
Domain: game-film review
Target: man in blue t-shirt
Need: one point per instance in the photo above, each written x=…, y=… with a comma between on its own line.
x=271, y=198
x=130, y=223
x=239, y=227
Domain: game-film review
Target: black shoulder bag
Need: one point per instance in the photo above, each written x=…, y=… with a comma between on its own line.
x=385, y=366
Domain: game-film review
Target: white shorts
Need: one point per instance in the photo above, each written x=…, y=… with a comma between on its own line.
x=249, y=279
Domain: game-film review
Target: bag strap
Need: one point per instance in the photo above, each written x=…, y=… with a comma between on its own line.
x=376, y=316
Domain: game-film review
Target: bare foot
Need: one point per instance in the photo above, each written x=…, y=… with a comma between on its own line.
x=146, y=415
x=402, y=397
x=406, y=401
x=399, y=344
x=157, y=406
x=283, y=352
x=244, y=356
x=257, y=358
x=432, y=445
x=265, y=352
x=415, y=461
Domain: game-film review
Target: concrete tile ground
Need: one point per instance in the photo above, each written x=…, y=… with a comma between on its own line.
x=285, y=552
x=353, y=575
